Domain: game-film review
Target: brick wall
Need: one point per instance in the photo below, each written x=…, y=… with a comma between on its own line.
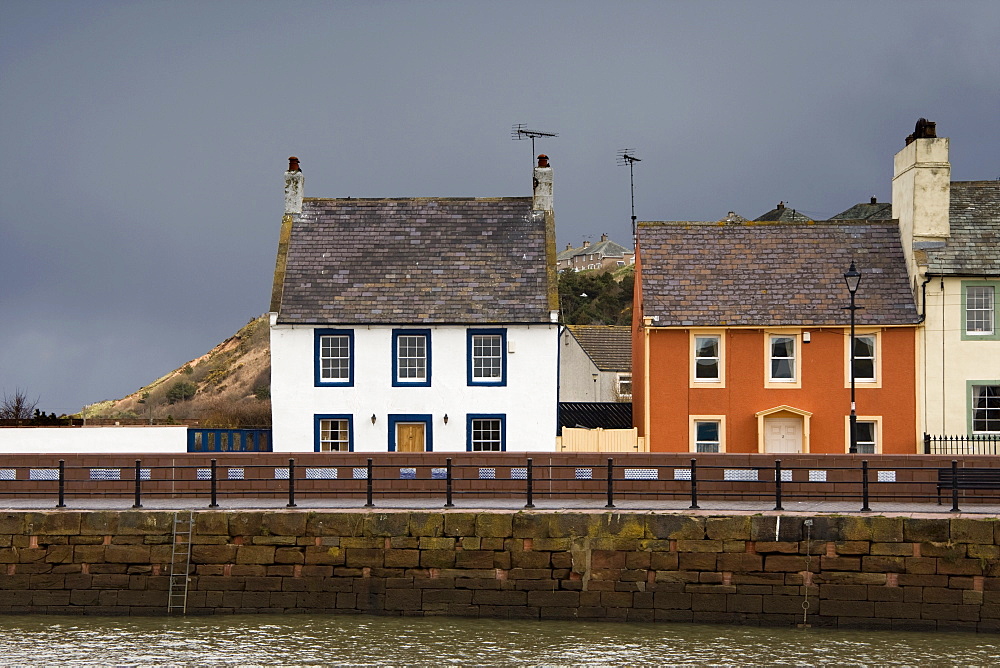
x=872, y=572
x=914, y=477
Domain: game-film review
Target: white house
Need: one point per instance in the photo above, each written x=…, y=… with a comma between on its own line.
x=415, y=324
x=951, y=235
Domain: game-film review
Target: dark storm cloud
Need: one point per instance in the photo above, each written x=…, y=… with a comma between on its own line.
x=142, y=144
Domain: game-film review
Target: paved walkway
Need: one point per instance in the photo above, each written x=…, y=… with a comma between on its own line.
x=706, y=507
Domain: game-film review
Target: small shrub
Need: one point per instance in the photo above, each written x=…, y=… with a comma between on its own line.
x=181, y=391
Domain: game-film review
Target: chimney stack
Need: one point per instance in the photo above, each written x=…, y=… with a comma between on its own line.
x=541, y=205
x=294, y=183
x=542, y=200
x=604, y=237
x=921, y=186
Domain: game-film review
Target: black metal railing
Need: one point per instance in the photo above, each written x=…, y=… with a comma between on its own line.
x=698, y=481
x=975, y=444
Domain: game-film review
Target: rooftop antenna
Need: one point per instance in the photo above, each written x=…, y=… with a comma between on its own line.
x=626, y=156
x=518, y=131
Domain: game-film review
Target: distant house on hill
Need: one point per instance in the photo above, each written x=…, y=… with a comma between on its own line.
x=595, y=363
x=604, y=255
x=415, y=324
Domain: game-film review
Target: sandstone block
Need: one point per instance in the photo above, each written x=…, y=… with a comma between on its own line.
x=846, y=608
x=879, y=564
x=960, y=566
x=556, y=599
x=675, y=527
x=973, y=531
x=898, y=549
x=402, y=558
x=289, y=555
x=213, y=554
x=530, y=559
x=494, y=525
x=254, y=554
x=127, y=554
x=436, y=558
x=740, y=563
x=460, y=524
x=917, y=530
x=425, y=524
x=728, y=528
x=699, y=546
x=317, y=524
x=385, y=524
x=145, y=522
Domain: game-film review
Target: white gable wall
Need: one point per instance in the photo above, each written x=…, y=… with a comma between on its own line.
x=528, y=400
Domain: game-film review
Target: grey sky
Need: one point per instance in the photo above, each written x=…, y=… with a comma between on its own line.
x=142, y=144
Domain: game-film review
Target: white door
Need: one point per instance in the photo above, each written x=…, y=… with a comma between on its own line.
x=782, y=435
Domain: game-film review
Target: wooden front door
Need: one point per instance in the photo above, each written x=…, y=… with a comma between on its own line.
x=409, y=437
x=782, y=435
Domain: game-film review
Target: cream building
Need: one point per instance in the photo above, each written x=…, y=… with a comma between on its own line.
x=951, y=235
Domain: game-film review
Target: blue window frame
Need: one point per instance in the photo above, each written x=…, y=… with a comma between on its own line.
x=425, y=418
x=333, y=433
x=334, y=357
x=486, y=432
x=487, y=356
x=411, y=357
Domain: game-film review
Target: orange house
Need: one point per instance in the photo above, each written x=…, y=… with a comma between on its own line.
x=741, y=338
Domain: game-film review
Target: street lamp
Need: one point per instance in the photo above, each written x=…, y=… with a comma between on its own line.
x=853, y=279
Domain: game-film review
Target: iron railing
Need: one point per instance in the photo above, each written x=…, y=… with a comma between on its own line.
x=440, y=476
x=975, y=444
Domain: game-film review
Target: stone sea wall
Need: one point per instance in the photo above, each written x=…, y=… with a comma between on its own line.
x=857, y=571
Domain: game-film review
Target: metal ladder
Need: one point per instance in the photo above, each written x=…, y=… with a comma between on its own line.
x=180, y=563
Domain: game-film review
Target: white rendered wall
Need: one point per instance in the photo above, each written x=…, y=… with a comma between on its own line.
x=576, y=374
x=528, y=400
x=949, y=361
x=87, y=440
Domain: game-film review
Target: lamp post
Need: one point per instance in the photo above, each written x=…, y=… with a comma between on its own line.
x=853, y=279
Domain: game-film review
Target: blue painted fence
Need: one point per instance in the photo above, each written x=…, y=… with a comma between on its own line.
x=228, y=440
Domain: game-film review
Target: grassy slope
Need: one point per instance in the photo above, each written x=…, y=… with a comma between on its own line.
x=232, y=380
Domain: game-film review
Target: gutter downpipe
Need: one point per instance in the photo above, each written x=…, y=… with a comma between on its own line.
x=647, y=321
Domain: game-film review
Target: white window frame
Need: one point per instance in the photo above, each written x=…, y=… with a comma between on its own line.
x=399, y=359
x=497, y=432
x=695, y=420
x=693, y=337
x=876, y=360
x=876, y=421
x=983, y=308
x=783, y=383
x=624, y=378
x=330, y=434
x=991, y=413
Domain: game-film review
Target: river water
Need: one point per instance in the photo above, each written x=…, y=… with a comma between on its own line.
x=308, y=640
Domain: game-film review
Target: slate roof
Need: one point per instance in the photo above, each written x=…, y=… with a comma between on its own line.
x=973, y=249
x=601, y=248
x=772, y=274
x=867, y=211
x=782, y=213
x=416, y=261
x=608, y=346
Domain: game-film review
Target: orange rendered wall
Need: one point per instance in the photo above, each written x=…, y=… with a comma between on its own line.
x=823, y=392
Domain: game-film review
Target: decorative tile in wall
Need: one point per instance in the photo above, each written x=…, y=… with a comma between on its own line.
x=407, y=474
x=43, y=474
x=585, y=474
x=786, y=475
x=204, y=474
x=8, y=474
x=361, y=473
x=641, y=474
x=324, y=473
x=740, y=474
x=887, y=476
x=487, y=474
x=817, y=476
x=105, y=474
x=235, y=474
x=519, y=473
x=439, y=473
x=281, y=473
x=682, y=474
